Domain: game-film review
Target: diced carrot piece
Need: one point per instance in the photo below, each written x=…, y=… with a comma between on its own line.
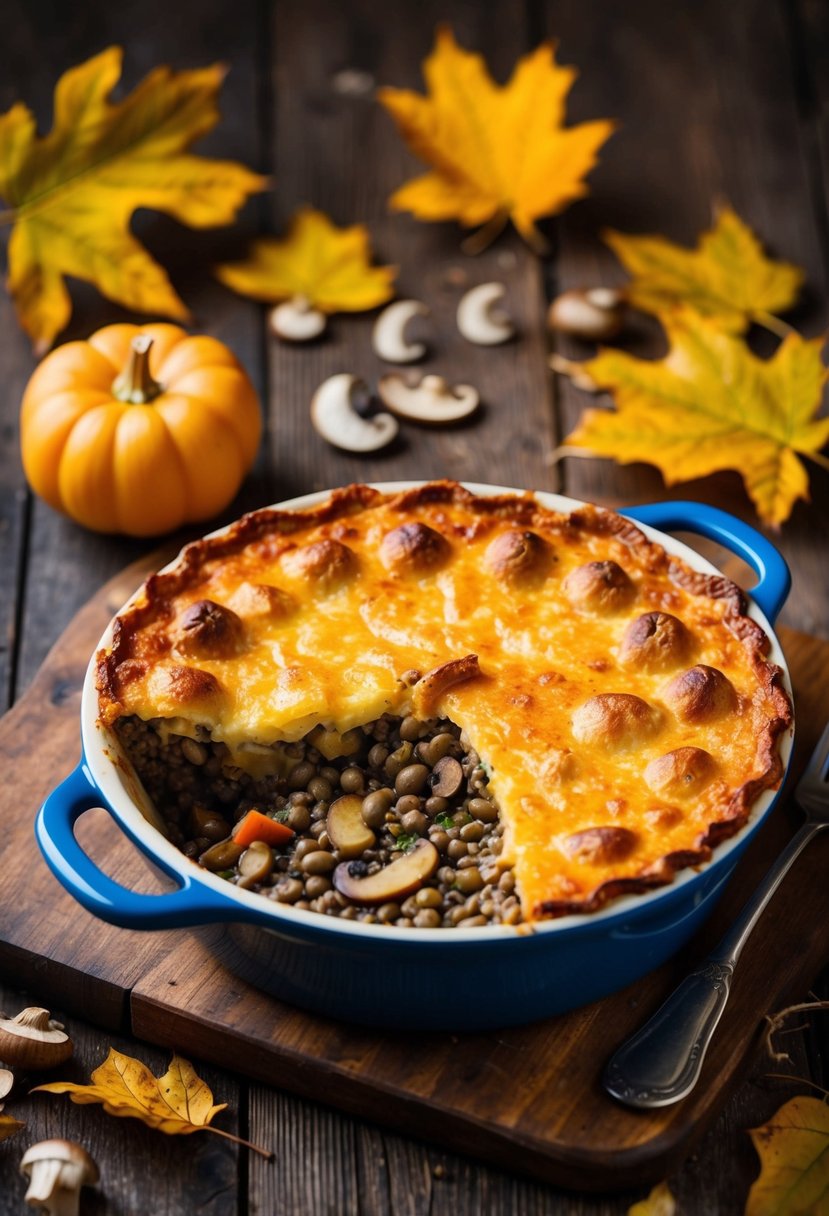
x=256, y=826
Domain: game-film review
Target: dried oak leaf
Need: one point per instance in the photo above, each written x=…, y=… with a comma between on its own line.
x=497, y=152
x=329, y=267
x=71, y=193
x=711, y=404
x=660, y=1202
x=793, y=1148
x=9, y=1126
x=727, y=278
x=178, y=1103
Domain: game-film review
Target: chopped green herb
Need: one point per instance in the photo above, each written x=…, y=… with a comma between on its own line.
x=224, y=874
x=444, y=820
x=406, y=843
x=282, y=816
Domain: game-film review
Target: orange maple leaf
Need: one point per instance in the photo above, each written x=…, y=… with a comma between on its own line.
x=497, y=152
x=71, y=193
x=710, y=404
x=727, y=278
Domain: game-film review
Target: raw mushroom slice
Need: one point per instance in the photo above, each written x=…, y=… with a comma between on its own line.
x=479, y=320
x=388, y=336
x=297, y=320
x=431, y=399
x=336, y=419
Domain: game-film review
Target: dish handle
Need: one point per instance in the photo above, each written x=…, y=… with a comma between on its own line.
x=774, y=579
x=194, y=903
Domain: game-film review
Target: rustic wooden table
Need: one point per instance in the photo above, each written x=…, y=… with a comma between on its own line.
x=716, y=102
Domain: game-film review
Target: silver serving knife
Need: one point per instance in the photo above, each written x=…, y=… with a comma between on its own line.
x=661, y=1063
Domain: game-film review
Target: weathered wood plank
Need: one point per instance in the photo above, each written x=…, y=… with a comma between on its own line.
x=142, y=1170
x=402, y=1168
x=809, y=29
x=340, y=152
x=316, y=1162
x=17, y=363
x=706, y=114
x=64, y=562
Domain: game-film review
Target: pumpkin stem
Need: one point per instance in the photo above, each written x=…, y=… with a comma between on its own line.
x=135, y=384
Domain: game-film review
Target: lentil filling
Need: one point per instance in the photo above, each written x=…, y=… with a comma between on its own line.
x=402, y=832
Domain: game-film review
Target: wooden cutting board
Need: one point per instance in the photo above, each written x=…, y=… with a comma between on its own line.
x=527, y=1098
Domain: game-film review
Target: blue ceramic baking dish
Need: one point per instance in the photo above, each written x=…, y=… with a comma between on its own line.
x=455, y=979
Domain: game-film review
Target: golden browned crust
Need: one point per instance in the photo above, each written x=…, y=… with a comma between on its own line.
x=614, y=720
x=680, y=773
x=518, y=556
x=325, y=562
x=271, y=531
x=413, y=547
x=600, y=586
x=430, y=687
x=655, y=640
x=207, y=629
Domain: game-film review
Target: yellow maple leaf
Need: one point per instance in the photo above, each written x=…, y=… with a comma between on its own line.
x=178, y=1103
x=329, y=267
x=660, y=1202
x=727, y=277
x=71, y=193
x=711, y=404
x=496, y=151
x=793, y=1147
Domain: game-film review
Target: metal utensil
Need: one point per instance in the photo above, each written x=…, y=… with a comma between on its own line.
x=661, y=1063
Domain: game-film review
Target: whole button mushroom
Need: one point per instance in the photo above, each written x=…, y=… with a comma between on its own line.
x=594, y=315
x=57, y=1169
x=33, y=1041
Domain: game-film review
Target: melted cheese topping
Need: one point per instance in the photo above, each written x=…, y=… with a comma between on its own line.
x=581, y=784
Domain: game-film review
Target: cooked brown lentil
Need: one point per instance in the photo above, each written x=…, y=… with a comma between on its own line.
x=200, y=795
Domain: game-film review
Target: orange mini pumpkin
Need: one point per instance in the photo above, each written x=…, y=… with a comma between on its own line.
x=139, y=429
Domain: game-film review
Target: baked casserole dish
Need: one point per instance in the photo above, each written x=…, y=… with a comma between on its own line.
x=428, y=713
